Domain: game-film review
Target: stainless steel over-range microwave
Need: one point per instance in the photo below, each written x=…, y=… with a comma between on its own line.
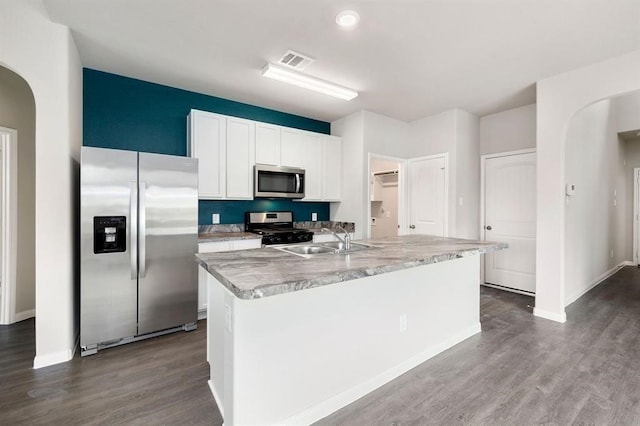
x=278, y=182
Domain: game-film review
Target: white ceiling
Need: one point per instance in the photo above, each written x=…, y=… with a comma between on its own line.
x=408, y=59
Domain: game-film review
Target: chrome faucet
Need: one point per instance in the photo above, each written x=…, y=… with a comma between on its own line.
x=346, y=240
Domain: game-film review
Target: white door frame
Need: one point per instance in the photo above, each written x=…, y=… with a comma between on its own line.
x=402, y=198
x=444, y=155
x=9, y=159
x=483, y=165
x=636, y=212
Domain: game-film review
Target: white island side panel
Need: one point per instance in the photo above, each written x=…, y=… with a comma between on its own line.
x=297, y=357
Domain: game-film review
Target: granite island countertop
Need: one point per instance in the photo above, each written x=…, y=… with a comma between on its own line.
x=253, y=274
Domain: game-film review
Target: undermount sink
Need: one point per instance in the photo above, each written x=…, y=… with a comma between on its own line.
x=340, y=246
x=315, y=249
x=334, y=247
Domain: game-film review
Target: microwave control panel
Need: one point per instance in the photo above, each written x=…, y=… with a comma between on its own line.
x=109, y=234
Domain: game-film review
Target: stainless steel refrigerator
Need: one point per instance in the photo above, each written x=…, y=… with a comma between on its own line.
x=139, y=231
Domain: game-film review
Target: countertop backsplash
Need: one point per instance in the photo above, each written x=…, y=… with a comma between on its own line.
x=312, y=226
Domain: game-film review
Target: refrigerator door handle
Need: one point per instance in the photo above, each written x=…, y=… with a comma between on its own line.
x=133, y=235
x=143, y=229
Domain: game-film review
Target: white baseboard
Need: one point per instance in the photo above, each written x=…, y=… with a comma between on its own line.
x=21, y=316
x=202, y=314
x=41, y=361
x=553, y=316
x=343, y=399
x=600, y=278
x=629, y=263
x=216, y=398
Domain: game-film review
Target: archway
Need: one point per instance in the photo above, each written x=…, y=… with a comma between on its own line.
x=599, y=211
x=559, y=98
x=17, y=111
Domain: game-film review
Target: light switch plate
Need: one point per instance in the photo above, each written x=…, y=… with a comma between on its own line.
x=314, y=217
x=215, y=218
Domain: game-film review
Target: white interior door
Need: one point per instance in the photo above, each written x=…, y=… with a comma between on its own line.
x=427, y=195
x=510, y=217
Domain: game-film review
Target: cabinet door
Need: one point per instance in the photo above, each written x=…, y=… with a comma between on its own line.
x=207, y=134
x=290, y=147
x=240, y=154
x=312, y=147
x=332, y=168
x=267, y=144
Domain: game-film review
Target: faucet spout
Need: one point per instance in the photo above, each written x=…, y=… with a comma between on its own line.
x=346, y=240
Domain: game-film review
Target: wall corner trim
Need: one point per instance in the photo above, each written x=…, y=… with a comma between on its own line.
x=59, y=357
x=557, y=317
x=21, y=316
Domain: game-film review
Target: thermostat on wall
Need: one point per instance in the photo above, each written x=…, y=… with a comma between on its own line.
x=570, y=189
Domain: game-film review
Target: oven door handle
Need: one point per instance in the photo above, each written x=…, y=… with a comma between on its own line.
x=297, y=183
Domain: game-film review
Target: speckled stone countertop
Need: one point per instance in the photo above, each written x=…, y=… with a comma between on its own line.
x=213, y=237
x=252, y=274
x=231, y=232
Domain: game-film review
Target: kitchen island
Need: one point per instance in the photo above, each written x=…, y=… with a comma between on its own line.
x=292, y=339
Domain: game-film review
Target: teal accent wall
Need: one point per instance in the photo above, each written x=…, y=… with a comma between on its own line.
x=125, y=113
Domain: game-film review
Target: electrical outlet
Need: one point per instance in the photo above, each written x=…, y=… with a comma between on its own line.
x=403, y=323
x=314, y=217
x=215, y=218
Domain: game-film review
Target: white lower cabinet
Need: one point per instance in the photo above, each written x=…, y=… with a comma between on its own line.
x=215, y=247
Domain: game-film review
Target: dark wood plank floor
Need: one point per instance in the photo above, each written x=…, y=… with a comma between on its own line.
x=156, y=381
x=523, y=370
x=520, y=370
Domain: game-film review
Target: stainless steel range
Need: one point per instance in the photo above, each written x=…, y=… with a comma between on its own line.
x=276, y=228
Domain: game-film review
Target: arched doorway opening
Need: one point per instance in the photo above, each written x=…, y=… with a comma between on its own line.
x=17, y=118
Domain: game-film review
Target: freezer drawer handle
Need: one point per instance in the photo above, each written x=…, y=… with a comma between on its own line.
x=143, y=229
x=133, y=234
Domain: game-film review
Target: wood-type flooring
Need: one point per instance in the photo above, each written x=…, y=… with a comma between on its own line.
x=521, y=370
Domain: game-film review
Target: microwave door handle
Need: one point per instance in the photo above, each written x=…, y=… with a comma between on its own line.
x=297, y=183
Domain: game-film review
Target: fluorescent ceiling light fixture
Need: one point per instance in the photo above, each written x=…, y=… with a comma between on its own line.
x=308, y=82
x=348, y=18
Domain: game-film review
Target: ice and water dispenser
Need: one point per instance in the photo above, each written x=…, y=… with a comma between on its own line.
x=109, y=234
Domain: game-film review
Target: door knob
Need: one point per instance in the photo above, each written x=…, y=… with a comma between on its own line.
x=412, y=227
x=488, y=228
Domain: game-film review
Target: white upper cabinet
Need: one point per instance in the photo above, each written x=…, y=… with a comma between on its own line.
x=228, y=147
x=290, y=147
x=332, y=168
x=312, y=148
x=225, y=149
x=240, y=153
x=207, y=143
x=278, y=146
x=267, y=144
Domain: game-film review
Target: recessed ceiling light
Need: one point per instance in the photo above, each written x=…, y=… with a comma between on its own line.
x=308, y=82
x=348, y=18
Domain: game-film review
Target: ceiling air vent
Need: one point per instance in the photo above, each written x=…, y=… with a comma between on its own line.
x=295, y=60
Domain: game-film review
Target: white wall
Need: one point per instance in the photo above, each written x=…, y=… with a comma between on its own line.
x=44, y=55
x=628, y=107
x=351, y=208
x=510, y=130
x=456, y=133
x=432, y=135
x=595, y=232
x=468, y=176
x=362, y=133
x=558, y=99
x=17, y=111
